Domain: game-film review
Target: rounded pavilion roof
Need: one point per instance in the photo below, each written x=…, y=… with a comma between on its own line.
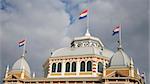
x=120, y=58
x=82, y=51
x=75, y=51
x=21, y=64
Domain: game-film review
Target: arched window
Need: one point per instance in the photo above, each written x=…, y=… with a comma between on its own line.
x=59, y=67
x=54, y=67
x=73, y=67
x=89, y=66
x=82, y=66
x=67, y=67
x=100, y=67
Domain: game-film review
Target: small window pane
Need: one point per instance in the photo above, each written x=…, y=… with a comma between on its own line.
x=89, y=66
x=100, y=67
x=67, y=67
x=54, y=67
x=73, y=67
x=82, y=66
x=59, y=67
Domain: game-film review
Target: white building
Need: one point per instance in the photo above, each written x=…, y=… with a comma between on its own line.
x=86, y=61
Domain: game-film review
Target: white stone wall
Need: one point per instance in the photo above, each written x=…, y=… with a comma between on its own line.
x=78, y=60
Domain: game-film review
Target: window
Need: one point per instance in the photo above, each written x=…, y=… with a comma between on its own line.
x=82, y=66
x=67, y=67
x=89, y=66
x=54, y=67
x=73, y=67
x=100, y=67
x=59, y=67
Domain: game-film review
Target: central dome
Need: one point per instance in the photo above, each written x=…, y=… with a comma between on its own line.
x=21, y=64
x=85, y=45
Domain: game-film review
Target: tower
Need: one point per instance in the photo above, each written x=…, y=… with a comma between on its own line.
x=20, y=70
x=121, y=68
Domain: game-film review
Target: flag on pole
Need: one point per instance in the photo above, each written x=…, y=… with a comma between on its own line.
x=83, y=14
x=116, y=30
x=21, y=43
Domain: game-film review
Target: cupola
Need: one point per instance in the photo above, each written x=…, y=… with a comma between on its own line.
x=87, y=41
x=21, y=64
x=120, y=58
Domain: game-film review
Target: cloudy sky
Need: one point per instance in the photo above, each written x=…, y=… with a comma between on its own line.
x=51, y=24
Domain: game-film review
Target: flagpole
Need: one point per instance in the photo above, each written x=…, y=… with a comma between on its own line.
x=24, y=49
x=88, y=16
x=120, y=46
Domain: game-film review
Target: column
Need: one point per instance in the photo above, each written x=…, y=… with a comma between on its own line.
x=78, y=67
x=104, y=69
x=63, y=67
x=70, y=66
x=85, y=65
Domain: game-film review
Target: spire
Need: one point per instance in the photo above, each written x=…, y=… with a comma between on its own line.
x=132, y=67
x=138, y=72
x=33, y=75
x=131, y=62
x=7, y=70
x=120, y=45
x=87, y=32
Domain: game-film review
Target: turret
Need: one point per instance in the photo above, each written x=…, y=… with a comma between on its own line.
x=132, y=67
x=7, y=70
x=87, y=33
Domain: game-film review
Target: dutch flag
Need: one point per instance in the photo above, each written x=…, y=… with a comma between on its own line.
x=21, y=43
x=116, y=30
x=83, y=14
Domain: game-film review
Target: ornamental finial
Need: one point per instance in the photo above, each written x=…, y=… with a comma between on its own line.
x=87, y=32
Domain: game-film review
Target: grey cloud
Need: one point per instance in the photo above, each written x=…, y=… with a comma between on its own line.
x=45, y=25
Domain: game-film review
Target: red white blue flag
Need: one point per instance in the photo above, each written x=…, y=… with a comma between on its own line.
x=21, y=43
x=116, y=30
x=83, y=14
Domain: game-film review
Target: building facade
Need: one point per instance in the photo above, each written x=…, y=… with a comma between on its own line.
x=86, y=61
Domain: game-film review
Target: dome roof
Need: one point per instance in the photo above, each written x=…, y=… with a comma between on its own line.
x=21, y=64
x=84, y=45
x=120, y=58
x=82, y=51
